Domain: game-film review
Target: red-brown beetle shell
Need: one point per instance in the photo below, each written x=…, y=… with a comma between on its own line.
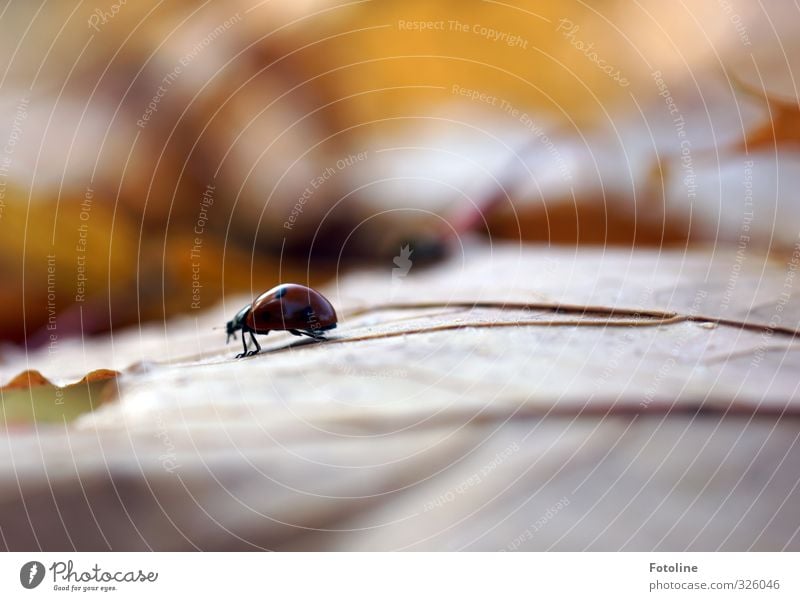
x=291, y=307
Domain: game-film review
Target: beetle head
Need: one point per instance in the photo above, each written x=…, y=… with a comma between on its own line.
x=237, y=323
x=231, y=328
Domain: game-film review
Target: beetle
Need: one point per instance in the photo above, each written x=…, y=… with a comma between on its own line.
x=300, y=310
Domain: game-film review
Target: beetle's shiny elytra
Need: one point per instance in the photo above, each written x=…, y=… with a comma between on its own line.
x=298, y=309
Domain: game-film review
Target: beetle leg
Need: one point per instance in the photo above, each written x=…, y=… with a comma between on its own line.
x=258, y=346
x=244, y=344
x=309, y=333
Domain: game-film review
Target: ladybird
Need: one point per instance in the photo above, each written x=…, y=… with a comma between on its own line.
x=300, y=310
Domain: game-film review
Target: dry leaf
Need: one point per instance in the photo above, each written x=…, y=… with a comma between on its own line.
x=515, y=397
